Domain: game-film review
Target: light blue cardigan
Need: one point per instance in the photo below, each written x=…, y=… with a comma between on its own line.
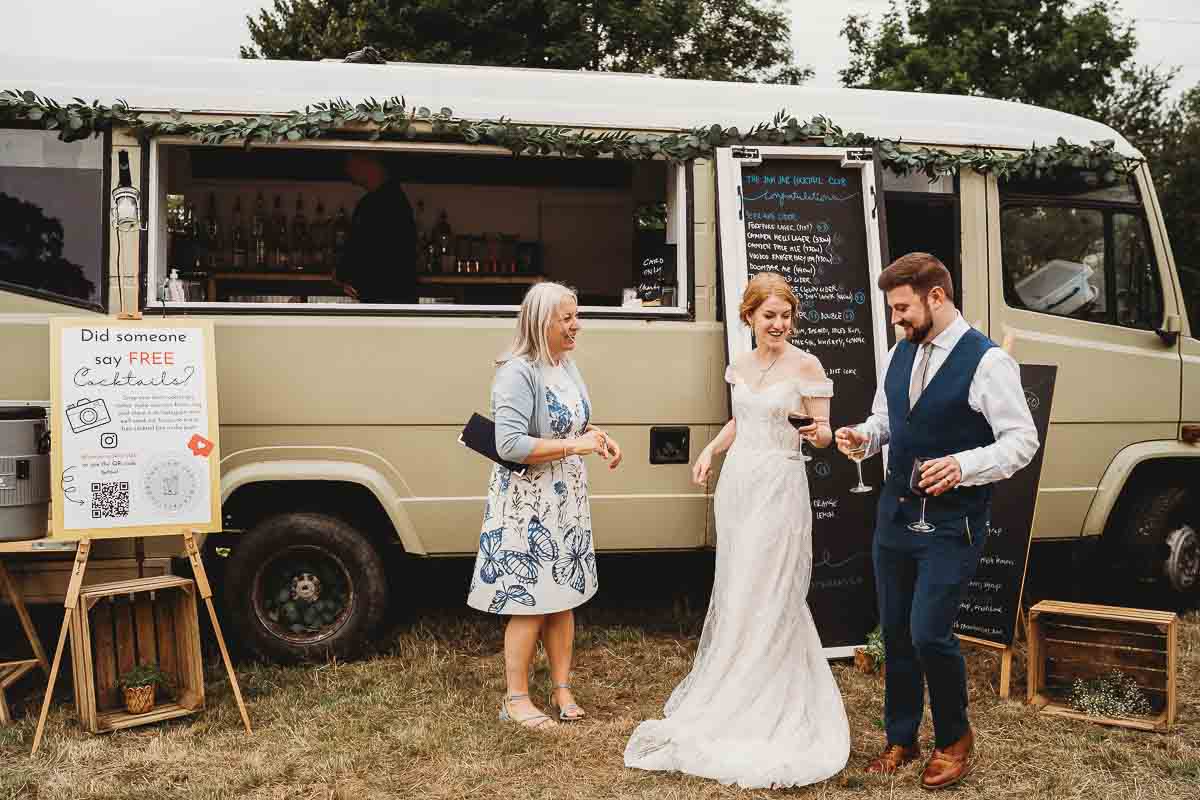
x=519, y=406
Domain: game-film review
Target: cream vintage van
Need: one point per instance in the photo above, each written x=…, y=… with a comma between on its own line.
x=339, y=416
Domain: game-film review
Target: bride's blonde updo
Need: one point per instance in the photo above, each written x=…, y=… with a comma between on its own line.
x=762, y=286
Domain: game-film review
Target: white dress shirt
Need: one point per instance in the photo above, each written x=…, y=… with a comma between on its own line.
x=995, y=392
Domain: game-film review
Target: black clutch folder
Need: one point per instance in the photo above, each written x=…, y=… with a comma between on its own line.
x=479, y=434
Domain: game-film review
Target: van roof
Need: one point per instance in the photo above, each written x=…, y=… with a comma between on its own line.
x=542, y=97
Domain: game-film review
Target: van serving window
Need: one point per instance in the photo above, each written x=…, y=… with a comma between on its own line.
x=52, y=224
x=413, y=228
x=1080, y=252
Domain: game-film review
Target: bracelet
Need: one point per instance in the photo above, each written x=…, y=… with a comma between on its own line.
x=566, y=449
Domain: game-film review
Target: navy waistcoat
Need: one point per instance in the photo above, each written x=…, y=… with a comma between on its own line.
x=940, y=424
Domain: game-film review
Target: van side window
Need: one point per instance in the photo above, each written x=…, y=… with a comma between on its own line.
x=414, y=229
x=1189, y=279
x=1074, y=257
x=52, y=208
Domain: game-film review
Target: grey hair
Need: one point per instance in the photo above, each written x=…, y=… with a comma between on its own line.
x=537, y=311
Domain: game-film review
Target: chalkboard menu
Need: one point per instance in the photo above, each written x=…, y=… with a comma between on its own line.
x=989, y=611
x=805, y=220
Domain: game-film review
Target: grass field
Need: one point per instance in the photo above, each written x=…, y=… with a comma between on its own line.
x=417, y=719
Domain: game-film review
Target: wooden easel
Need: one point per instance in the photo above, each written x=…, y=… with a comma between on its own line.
x=1005, y=651
x=72, y=599
x=12, y=671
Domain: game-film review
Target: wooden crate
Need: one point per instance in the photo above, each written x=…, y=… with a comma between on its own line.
x=1078, y=640
x=44, y=579
x=118, y=625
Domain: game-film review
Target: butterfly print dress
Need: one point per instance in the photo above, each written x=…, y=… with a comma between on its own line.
x=535, y=549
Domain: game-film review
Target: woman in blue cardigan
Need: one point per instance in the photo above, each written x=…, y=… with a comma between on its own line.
x=536, y=562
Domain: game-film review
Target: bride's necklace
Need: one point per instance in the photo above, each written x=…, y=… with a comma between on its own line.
x=762, y=373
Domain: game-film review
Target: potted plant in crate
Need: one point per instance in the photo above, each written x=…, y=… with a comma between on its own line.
x=139, y=685
x=870, y=658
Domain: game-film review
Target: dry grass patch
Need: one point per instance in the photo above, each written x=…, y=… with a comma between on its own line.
x=418, y=720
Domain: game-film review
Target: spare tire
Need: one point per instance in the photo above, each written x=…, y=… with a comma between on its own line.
x=305, y=587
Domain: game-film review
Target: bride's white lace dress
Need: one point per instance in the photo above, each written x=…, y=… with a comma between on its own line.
x=760, y=707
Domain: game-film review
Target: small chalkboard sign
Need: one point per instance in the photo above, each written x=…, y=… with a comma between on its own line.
x=989, y=611
x=655, y=270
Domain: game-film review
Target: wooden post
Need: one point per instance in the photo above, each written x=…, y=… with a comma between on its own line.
x=81, y=559
x=12, y=671
x=201, y=576
x=9, y=587
x=1005, y=652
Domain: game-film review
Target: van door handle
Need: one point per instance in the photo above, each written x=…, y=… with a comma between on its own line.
x=670, y=444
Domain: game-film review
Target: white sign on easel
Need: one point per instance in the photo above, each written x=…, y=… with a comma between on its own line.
x=135, y=442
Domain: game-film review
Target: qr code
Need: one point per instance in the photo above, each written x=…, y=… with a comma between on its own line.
x=110, y=499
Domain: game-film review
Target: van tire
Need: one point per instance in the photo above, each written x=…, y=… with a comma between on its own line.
x=1160, y=538
x=305, y=586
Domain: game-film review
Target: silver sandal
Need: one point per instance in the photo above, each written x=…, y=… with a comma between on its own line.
x=569, y=713
x=538, y=720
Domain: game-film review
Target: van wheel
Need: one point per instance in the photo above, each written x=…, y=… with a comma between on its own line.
x=1160, y=535
x=305, y=586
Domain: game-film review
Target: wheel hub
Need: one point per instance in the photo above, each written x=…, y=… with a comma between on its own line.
x=307, y=587
x=1182, y=566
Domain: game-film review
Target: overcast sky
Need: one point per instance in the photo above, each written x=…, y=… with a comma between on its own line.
x=1166, y=29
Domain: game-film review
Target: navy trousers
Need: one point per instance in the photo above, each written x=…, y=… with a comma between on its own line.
x=920, y=579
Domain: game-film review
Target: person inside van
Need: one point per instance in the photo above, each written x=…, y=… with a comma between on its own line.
x=379, y=259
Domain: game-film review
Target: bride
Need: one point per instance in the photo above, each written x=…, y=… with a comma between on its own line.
x=760, y=707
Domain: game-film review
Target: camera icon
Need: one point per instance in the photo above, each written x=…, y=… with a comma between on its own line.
x=108, y=440
x=87, y=414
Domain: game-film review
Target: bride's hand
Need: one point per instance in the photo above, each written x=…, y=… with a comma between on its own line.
x=702, y=468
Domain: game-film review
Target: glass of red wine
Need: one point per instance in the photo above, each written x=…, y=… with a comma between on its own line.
x=914, y=485
x=798, y=421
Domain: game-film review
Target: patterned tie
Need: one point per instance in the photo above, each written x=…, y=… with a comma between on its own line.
x=916, y=384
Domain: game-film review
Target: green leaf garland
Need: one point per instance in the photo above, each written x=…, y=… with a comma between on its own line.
x=394, y=119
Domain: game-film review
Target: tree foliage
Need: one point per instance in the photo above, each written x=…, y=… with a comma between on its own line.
x=1044, y=52
x=738, y=40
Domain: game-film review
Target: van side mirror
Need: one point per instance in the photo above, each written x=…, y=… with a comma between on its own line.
x=1169, y=332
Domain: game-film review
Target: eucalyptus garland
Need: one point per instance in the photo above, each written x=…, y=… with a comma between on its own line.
x=393, y=119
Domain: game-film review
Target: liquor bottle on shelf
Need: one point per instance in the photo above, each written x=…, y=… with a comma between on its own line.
x=341, y=232
x=258, y=235
x=239, y=251
x=176, y=230
x=318, y=233
x=281, y=245
x=195, y=228
x=419, y=265
x=212, y=236
x=301, y=241
x=444, y=243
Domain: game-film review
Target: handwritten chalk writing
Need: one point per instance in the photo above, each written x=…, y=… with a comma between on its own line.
x=784, y=198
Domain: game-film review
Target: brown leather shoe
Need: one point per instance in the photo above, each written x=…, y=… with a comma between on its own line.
x=893, y=758
x=949, y=766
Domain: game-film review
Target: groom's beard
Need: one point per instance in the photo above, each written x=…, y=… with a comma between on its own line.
x=918, y=333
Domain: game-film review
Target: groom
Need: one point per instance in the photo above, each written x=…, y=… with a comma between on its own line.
x=952, y=396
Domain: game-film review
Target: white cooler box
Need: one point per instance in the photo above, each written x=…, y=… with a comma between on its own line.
x=1058, y=287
